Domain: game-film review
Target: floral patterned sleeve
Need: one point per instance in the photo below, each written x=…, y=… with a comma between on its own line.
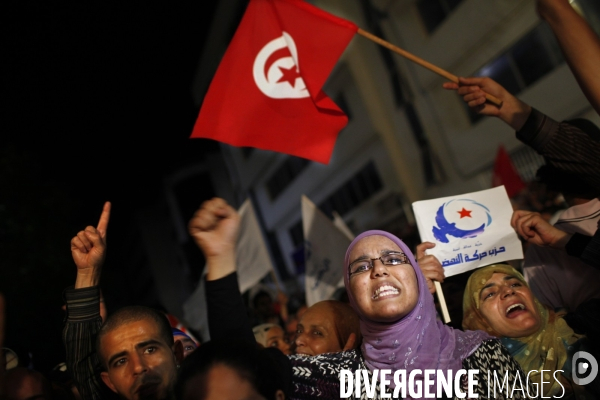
x=500, y=375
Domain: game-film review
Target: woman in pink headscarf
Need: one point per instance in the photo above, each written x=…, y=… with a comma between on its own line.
x=398, y=319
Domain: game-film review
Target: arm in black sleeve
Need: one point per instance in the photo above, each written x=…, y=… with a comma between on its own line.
x=591, y=253
x=564, y=146
x=587, y=248
x=82, y=324
x=227, y=317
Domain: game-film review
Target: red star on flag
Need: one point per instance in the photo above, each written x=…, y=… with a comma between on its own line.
x=464, y=213
x=289, y=75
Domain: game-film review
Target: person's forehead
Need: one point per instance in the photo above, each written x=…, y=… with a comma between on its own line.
x=275, y=331
x=499, y=277
x=130, y=334
x=372, y=246
x=183, y=339
x=319, y=314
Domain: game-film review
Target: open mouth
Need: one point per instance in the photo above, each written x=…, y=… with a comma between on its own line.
x=385, y=291
x=514, y=309
x=148, y=390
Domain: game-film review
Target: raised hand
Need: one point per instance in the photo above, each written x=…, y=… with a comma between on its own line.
x=579, y=43
x=430, y=265
x=534, y=229
x=88, y=249
x=513, y=111
x=214, y=228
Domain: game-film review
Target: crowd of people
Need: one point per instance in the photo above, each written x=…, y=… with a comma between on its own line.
x=526, y=322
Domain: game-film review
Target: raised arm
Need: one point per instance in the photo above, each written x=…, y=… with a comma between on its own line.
x=214, y=228
x=534, y=229
x=563, y=145
x=83, y=322
x=88, y=249
x=579, y=44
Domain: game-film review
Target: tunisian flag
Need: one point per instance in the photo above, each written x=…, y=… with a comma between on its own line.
x=267, y=90
x=506, y=174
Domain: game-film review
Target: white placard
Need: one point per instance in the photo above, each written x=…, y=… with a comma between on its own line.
x=325, y=247
x=470, y=230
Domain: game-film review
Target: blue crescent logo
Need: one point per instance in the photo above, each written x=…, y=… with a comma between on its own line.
x=461, y=218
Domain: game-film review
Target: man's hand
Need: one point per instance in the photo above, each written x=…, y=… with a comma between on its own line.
x=214, y=228
x=534, y=229
x=88, y=249
x=430, y=265
x=473, y=90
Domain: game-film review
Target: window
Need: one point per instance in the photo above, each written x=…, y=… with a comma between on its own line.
x=434, y=12
x=285, y=175
x=350, y=195
x=533, y=56
x=354, y=192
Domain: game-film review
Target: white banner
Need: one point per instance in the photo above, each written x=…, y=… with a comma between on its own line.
x=470, y=230
x=253, y=260
x=325, y=247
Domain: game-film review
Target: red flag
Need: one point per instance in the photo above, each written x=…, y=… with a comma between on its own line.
x=506, y=174
x=267, y=90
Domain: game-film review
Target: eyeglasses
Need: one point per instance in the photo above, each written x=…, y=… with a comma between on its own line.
x=364, y=265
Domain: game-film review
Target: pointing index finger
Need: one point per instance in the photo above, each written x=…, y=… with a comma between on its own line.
x=104, y=217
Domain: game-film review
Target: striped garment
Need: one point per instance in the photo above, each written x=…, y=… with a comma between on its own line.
x=569, y=149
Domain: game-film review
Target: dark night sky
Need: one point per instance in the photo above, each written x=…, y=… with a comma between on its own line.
x=97, y=106
x=95, y=88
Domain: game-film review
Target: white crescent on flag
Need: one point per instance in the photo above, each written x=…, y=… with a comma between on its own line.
x=276, y=70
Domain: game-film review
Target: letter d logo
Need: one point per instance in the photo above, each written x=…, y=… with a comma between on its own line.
x=585, y=368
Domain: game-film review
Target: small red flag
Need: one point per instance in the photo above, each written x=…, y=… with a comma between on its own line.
x=506, y=174
x=267, y=92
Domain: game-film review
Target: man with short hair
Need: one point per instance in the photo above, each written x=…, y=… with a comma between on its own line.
x=138, y=355
x=135, y=354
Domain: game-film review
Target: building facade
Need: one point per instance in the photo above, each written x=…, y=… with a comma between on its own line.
x=407, y=138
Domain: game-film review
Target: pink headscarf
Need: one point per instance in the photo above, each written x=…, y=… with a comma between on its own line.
x=417, y=341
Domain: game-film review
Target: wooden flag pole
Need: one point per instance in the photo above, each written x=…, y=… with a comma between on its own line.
x=274, y=277
x=442, y=300
x=423, y=63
